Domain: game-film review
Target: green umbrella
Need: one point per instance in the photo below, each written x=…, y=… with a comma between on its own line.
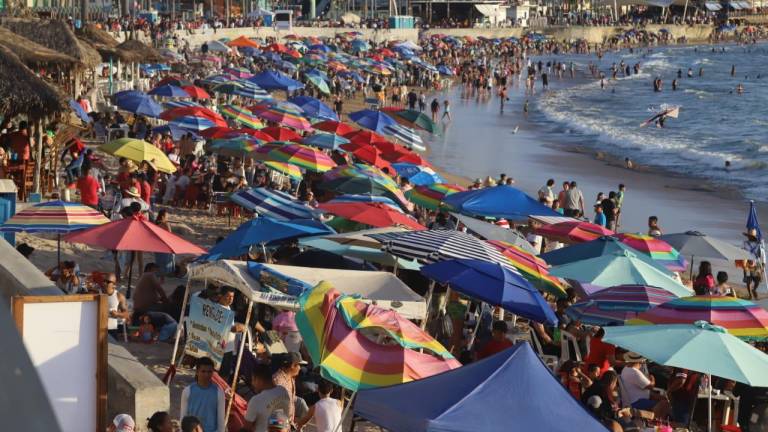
x=620, y=268
x=701, y=347
x=319, y=83
x=415, y=118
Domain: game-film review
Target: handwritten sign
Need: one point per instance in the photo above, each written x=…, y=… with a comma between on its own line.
x=208, y=329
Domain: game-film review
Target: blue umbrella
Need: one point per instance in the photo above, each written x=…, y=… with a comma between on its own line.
x=263, y=231
x=273, y=80
x=314, y=107
x=272, y=203
x=325, y=140
x=126, y=93
x=373, y=120
x=175, y=131
x=499, y=202
x=320, y=47
x=352, y=74
x=444, y=70
x=180, y=104
x=169, y=90
x=360, y=45
x=79, y=111
x=192, y=123
x=417, y=174
x=142, y=105
x=319, y=73
x=494, y=284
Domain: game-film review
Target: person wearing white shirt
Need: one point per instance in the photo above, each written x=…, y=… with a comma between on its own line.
x=636, y=388
x=326, y=412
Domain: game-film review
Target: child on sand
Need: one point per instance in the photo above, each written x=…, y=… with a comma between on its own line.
x=147, y=332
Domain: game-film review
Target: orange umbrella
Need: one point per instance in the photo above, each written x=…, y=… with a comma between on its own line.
x=243, y=42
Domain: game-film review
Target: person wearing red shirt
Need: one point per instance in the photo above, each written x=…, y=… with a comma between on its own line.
x=20, y=144
x=498, y=342
x=89, y=189
x=601, y=354
x=146, y=189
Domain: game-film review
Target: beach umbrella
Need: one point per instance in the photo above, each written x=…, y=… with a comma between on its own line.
x=284, y=113
x=605, y=245
x=332, y=325
x=241, y=115
x=174, y=80
x=194, y=111
x=406, y=135
x=214, y=80
x=328, y=141
x=238, y=146
x=318, y=82
x=659, y=250
x=242, y=42
x=614, y=305
x=358, y=245
x=237, y=72
x=431, y=196
x=700, y=347
x=195, y=123
x=373, y=120
x=57, y=217
x=372, y=156
x=742, y=318
x=303, y=156
x=430, y=246
x=415, y=119
x=273, y=204
x=491, y=231
x=532, y=268
x=140, y=104
x=139, y=151
x=620, y=268
x=196, y=92
x=314, y=108
x=175, y=132
x=573, y=231
x=499, y=202
x=169, y=90
x=362, y=137
x=352, y=198
x=282, y=134
x=493, y=284
x=374, y=214
x=335, y=127
x=400, y=154
x=217, y=46
x=695, y=244
x=584, y=290
x=274, y=80
x=79, y=111
x=418, y=175
x=287, y=169
x=262, y=231
x=362, y=179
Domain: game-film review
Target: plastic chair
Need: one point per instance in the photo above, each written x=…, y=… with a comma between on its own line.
x=567, y=343
x=549, y=360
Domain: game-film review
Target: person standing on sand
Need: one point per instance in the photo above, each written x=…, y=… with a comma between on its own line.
x=435, y=107
x=422, y=101
x=573, y=205
x=546, y=194
x=446, y=110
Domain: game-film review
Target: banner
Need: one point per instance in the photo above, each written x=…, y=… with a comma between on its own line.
x=208, y=328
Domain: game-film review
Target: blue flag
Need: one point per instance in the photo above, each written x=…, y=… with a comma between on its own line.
x=752, y=222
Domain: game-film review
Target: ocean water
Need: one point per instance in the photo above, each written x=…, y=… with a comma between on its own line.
x=715, y=124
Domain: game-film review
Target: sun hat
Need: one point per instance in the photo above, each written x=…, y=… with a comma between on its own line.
x=633, y=357
x=124, y=423
x=133, y=192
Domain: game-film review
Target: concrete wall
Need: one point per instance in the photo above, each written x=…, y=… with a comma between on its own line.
x=18, y=276
x=132, y=388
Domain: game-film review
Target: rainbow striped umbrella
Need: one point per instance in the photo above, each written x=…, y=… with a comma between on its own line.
x=290, y=170
x=363, y=179
x=573, y=231
x=614, y=305
x=742, y=318
x=285, y=113
x=241, y=115
x=331, y=324
x=239, y=146
x=262, y=153
x=656, y=248
x=306, y=157
x=431, y=196
x=532, y=268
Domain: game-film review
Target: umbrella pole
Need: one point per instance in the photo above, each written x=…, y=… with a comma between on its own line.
x=239, y=360
x=130, y=275
x=709, y=403
x=179, y=329
x=429, y=304
x=477, y=327
x=58, y=250
x=690, y=276
x=264, y=252
x=345, y=412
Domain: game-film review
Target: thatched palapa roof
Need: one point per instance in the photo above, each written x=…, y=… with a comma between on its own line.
x=140, y=51
x=56, y=35
x=130, y=51
x=25, y=92
x=32, y=53
x=97, y=36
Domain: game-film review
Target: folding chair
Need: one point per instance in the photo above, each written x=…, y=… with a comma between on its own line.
x=551, y=361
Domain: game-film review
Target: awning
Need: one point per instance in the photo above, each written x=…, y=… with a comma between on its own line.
x=659, y=3
x=713, y=6
x=735, y=5
x=487, y=10
x=745, y=5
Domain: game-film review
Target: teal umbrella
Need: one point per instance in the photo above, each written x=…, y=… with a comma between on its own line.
x=620, y=268
x=319, y=83
x=700, y=347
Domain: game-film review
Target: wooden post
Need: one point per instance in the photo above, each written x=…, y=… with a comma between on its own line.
x=38, y=155
x=239, y=360
x=179, y=329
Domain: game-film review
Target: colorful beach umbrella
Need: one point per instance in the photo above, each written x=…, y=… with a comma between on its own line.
x=573, y=232
x=303, y=156
x=139, y=151
x=314, y=107
x=360, y=138
x=290, y=170
x=659, y=250
x=362, y=179
x=413, y=118
x=376, y=215
x=282, y=134
x=614, y=305
x=694, y=244
x=532, y=267
x=373, y=120
x=335, y=127
x=169, y=90
x=357, y=244
x=273, y=204
x=331, y=326
x=196, y=92
x=238, y=146
x=243, y=42
x=409, y=137
x=195, y=111
x=605, y=245
x=430, y=196
x=742, y=318
x=323, y=140
x=241, y=115
x=284, y=113
x=194, y=123
x=498, y=202
x=418, y=175
x=372, y=156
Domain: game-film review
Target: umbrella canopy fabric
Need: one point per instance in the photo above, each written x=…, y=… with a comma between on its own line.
x=742, y=318
x=273, y=80
x=614, y=305
x=409, y=137
x=168, y=90
x=373, y=120
x=282, y=134
x=352, y=198
x=431, y=196
x=532, y=267
x=362, y=179
x=375, y=214
x=284, y=113
x=241, y=115
x=140, y=104
x=359, y=245
x=79, y=111
x=193, y=123
x=314, y=107
x=659, y=250
x=272, y=204
x=573, y=232
x=696, y=244
x=491, y=231
x=262, y=231
x=327, y=321
x=325, y=140
x=303, y=156
x=54, y=217
x=701, y=347
x=238, y=146
x=196, y=92
x=606, y=245
x=417, y=119
x=175, y=132
x=138, y=151
x=335, y=127
x=482, y=396
x=492, y=284
x=372, y=156
x=195, y=111
x=135, y=233
x=500, y=202
x=620, y=268
x=290, y=170
x=418, y=175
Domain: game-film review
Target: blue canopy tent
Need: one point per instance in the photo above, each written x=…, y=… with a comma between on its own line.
x=313, y=107
x=499, y=202
x=273, y=80
x=507, y=392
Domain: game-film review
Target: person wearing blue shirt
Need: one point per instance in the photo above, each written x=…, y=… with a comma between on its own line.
x=600, y=217
x=204, y=399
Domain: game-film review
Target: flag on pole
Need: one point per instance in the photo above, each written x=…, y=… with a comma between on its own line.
x=752, y=222
x=756, y=248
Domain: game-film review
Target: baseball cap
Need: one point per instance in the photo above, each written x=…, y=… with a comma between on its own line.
x=124, y=423
x=278, y=421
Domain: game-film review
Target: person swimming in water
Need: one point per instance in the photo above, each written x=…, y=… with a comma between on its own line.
x=740, y=89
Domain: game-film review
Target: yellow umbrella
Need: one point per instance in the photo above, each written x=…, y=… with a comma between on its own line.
x=138, y=151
